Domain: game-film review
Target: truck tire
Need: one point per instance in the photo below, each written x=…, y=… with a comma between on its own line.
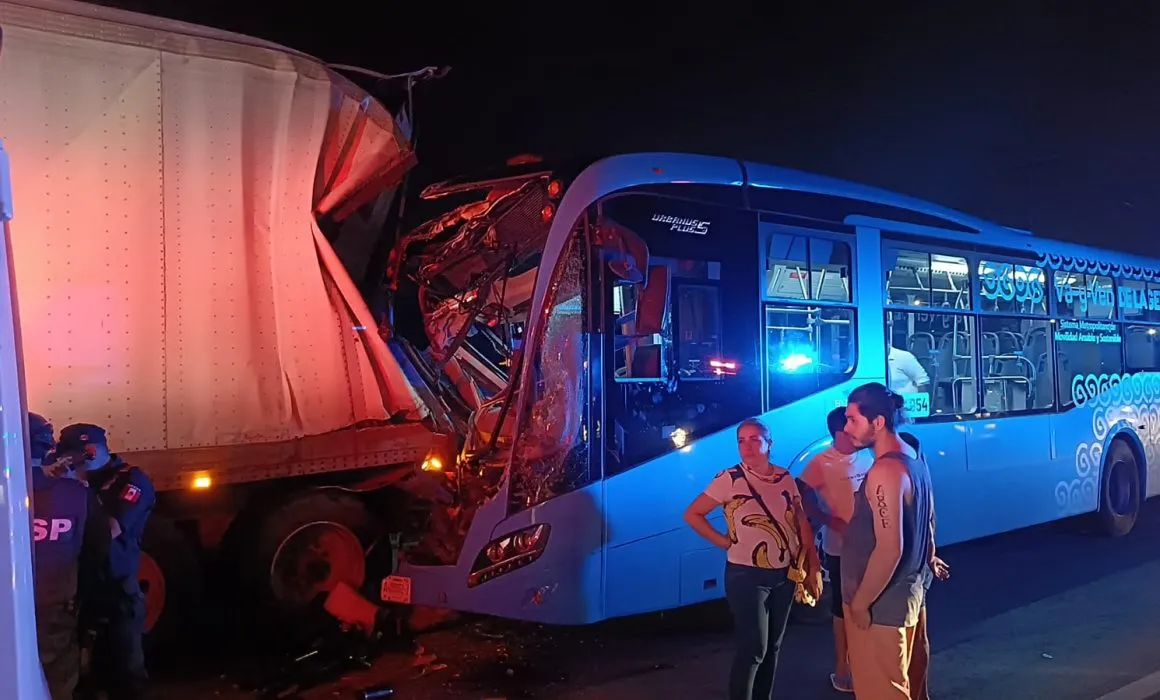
x=305, y=546
x=1120, y=491
x=171, y=579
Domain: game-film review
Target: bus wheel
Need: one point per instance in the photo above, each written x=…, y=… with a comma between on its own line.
x=310, y=544
x=171, y=579
x=1120, y=492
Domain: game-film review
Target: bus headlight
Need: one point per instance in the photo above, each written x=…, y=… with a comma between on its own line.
x=513, y=551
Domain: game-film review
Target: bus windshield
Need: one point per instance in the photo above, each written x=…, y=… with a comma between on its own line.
x=462, y=284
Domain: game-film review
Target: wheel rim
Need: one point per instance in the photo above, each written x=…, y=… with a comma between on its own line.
x=1121, y=488
x=152, y=582
x=313, y=560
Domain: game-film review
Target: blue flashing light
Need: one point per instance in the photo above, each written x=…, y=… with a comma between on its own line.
x=795, y=361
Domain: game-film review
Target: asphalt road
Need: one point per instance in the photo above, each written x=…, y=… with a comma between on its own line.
x=1052, y=612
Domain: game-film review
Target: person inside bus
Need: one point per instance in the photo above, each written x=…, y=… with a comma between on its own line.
x=831, y=480
x=907, y=375
x=886, y=548
x=764, y=538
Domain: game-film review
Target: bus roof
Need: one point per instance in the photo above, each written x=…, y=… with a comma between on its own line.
x=867, y=205
x=964, y=227
x=776, y=177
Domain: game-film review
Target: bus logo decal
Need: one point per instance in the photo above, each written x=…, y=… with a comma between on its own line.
x=682, y=225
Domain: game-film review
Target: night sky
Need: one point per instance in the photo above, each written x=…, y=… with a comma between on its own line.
x=1036, y=114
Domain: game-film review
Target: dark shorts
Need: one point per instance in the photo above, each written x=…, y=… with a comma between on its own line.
x=834, y=571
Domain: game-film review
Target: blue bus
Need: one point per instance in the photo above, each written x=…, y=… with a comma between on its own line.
x=675, y=295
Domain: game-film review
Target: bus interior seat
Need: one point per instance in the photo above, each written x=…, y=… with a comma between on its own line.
x=921, y=344
x=626, y=253
x=963, y=396
x=653, y=302
x=645, y=356
x=990, y=344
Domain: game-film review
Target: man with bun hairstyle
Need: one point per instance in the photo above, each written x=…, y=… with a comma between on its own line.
x=886, y=548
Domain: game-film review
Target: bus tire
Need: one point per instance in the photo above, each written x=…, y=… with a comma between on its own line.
x=305, y=546
x=171, y=579
x=1120, y=490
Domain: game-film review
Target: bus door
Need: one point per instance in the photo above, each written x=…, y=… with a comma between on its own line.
x=1009, y=438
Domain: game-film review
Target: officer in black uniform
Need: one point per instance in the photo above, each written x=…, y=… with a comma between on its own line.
x=70, y=547
x=126, y=494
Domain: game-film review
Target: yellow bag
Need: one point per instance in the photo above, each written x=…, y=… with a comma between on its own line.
x=806, y=571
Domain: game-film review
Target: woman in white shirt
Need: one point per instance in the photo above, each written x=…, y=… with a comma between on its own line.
x=767, y=531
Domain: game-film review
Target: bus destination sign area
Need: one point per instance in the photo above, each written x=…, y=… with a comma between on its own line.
x=1075, y=331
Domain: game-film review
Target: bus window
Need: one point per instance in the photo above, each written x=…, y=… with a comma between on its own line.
x=928, y=279
x=1010, y=288
x=1139, y=301
x=931, y=362
x=681, y=337
x=1018, y=374
x=698, y=352
x=551, y=454
x=801, y=267
x=807, y=349
x=1078, y=295
x=1084, y=350
x=1141, y=348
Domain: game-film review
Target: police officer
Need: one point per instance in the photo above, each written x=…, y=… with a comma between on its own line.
x=127, y=496
x=70, y=547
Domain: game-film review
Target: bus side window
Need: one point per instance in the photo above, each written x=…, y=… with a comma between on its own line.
x=1018, y=374
x=807, y=349
x=1141, y=348
x=931, y=362
x=1085, y=356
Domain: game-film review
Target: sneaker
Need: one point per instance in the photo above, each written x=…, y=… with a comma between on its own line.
x=842, y=684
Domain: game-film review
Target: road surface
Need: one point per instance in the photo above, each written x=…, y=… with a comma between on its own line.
x=1053, y=612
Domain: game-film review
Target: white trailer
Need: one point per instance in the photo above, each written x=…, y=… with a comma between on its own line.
x=176, y=288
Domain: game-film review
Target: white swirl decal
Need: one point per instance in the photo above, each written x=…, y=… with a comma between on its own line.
x=1110, y=399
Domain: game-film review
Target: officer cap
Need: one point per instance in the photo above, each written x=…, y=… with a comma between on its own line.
x=75, y=437
x=40, y=435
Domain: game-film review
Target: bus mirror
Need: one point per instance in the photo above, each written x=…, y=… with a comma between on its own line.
x=626, y=252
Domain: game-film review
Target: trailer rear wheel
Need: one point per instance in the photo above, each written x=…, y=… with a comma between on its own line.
x=171, y=579
x=310, y=544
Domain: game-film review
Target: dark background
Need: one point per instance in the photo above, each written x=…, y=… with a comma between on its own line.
x=1033, y=113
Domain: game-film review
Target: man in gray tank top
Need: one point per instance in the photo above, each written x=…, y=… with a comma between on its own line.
x=886, y=548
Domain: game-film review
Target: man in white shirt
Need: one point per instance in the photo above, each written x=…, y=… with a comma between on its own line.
x=832, y=478
x=907, y=375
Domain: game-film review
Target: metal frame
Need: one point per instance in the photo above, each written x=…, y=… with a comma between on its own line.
x=20, y=673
